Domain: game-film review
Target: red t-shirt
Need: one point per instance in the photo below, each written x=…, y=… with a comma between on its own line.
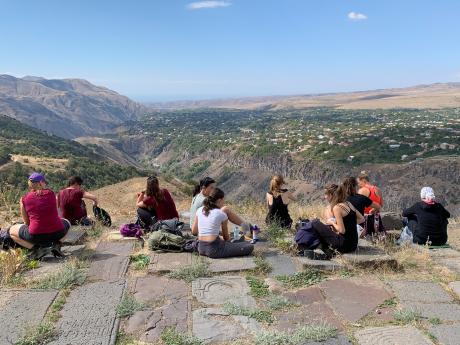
x=165, y=209
x=70, y=203
x=42, y=211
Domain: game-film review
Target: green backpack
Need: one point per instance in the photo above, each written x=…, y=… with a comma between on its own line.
x=163, y=240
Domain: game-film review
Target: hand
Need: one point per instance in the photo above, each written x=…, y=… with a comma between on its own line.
x=140, y=193
x=373, y=211
x=331, y=221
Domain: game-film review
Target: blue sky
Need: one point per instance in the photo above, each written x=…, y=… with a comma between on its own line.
x=156, y=50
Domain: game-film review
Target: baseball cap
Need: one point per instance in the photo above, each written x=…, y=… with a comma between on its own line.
x=37, y=177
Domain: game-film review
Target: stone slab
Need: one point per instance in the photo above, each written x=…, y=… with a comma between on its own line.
x=391, y=220
x=150, y=324
x=22, y=310
x=156, y=288
x=282, y=264
x=313, y=314
x=110, y=261
x=419, y=291
x=167, y=262
x=76, y=234
x=451, y=263
x=394, y=335
x=214, y=325
x=369, y=256
x=324, y=265
x=116, y=236
x=354, y=298
x=339, y=340
x=222, y=289
x=443, y=311
x=447, y=334
x=89, y=315
x=236, y=264
x=455, y=286
x=304, y=296
x=444, y=253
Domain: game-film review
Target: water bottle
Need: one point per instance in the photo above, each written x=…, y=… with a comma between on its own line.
x=236, y=233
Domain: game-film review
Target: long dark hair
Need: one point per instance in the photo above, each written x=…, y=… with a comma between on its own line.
x=204, y=182
x=75, y=180
x=210, y=202
x=339, y=196
x=153, y=188
x=351, y=185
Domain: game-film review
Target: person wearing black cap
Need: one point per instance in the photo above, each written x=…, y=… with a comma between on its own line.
x=42, y=225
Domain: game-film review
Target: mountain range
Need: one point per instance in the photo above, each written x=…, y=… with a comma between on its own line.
x=68, y=108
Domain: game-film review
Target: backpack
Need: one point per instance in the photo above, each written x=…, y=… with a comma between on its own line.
x=102, y=215
x=131, y=230
x=305, y=236
x=173, y=226
x=6, y=242
x=166, y=241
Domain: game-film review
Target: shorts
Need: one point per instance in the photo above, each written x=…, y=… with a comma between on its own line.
x=44, y=238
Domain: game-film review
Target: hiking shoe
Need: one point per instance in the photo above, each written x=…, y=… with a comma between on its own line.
x=56, y=250
x=309, y=253
x=254, y=241
x=37, y=253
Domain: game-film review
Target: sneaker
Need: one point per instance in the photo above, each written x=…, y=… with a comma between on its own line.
x=308, y=253
x=254, y=241
x=37, y=253
x=56, y=250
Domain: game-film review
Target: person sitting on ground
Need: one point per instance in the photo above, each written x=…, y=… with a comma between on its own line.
x=209, y=222
x=428, y=219
x=205, y=188
x=42, y=225
x=372, y=220
x=359, y=201
x=71, y=204
x=328, y=194
x=278, y=200
x=155, y=204
x=340, y=233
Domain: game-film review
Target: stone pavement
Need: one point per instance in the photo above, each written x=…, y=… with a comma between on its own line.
x=392, y=335
x=110, y=261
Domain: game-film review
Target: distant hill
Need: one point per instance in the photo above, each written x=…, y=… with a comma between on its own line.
x=433, y=96
x=68, y=108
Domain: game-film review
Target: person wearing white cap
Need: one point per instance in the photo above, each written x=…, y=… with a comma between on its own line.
x=427, y=219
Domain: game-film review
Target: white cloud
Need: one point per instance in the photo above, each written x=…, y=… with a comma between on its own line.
x=198, y=5
x=355, y=16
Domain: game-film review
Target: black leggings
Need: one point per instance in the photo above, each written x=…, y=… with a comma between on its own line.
x=146, y=217
x=328, y=237
x=223, y=249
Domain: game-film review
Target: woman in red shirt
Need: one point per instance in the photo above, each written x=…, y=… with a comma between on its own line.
x=42, y=224
x=155, y=202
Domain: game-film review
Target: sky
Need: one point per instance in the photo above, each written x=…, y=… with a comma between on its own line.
x=161, y=50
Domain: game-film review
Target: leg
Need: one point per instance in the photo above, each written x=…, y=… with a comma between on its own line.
x=235, y=219
x=18, y=232
x=327, y=236
x=67, y=226
x=145, y=217
x=230, y=249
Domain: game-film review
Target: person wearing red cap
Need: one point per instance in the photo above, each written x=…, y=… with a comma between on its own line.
x=42, y=224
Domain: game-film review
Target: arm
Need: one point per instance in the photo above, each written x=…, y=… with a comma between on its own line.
x=140, y=200
x=410, y=211
x=338, y=226
x=364, y=191
x=267, y=198
x=376, y=207
x=90, y=196
x=444, y=212
x=359, y=217
x=328, y=213
x=291, y=196
x=225, y=230
x=195, y=226
x=25, y=216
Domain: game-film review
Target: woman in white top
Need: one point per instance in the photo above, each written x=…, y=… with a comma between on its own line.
x=209, y=221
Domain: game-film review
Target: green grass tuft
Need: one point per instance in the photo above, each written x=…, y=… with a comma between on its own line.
x=129, y=305
x=40, y=335
x=435, y=321
x=257, y=314
x=262, y=265
x=258, y=287
x=298, y=337
x=69, y=275
x=140, y=262
x=406, y=316
x=172, y=336
x=301, y=279
x=198, y=269
x=277, y=302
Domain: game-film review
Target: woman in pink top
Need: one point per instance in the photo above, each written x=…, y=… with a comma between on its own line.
x=42, y=225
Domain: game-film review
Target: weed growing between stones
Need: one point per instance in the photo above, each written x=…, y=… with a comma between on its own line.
x=435, y=321
x=406, y=316
x=198, y=269
x=391, y=302
x=301, y=279
x=70, y=274
x=257, y=314
x=125, y=339
x=129, y=305
x=172, y=336
x=300, y=336
x=262, y=265
x=40, y=335
x=140, y=261
x=257, y=286
x=54, y=311
x=277, y=302
x=95, y=231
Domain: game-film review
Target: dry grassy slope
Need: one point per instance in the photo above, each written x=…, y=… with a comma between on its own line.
x=120, y=199
x=440, y=95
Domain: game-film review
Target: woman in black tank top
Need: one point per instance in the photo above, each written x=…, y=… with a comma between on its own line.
x=277, y=203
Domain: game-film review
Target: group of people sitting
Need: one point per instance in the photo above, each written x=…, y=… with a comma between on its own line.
x=353, y=210
x=47, y=218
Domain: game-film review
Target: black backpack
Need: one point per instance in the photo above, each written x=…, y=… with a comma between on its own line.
x=102, y=216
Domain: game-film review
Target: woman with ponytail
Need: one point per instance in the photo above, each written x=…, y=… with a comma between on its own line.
x=210, y=220
x=340, y=232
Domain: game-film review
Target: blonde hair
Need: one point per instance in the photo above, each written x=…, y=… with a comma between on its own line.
x=35, y=187
x=276, y=182
x=363, y=175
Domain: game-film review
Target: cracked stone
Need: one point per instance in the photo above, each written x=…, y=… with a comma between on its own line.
x=407, y=335
x=110, y=261
x=419, y=291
